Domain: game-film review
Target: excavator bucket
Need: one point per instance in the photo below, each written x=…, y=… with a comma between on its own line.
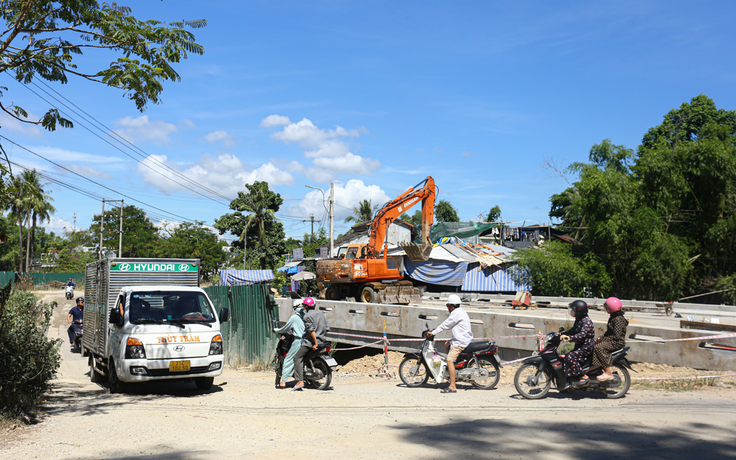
x=400, y=294
x=416, y=252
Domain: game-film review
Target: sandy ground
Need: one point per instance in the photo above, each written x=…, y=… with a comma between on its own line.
x=364, y=417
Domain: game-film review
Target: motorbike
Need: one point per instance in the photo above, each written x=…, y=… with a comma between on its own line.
x=477, y=364
x=69, y=292
x=78, y=329
x=318, y=368
x=536, y=374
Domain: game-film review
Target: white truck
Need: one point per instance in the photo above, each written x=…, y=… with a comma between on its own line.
x=148, y=319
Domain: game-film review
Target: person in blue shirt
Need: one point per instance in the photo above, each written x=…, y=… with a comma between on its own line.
x=71, y=283
x=76, y=313
x=295, y=327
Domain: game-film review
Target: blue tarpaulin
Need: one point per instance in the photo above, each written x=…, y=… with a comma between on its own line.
x=491, y=279
x=240, y=277
x=437, y=271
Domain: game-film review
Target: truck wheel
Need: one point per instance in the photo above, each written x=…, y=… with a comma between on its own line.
x=116, y=386
x=368, y=295
x=204, y=383
x=94, y=376
x=331, y=293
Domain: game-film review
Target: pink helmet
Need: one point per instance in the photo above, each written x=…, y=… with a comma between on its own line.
x=308, y=302
x=613, y=304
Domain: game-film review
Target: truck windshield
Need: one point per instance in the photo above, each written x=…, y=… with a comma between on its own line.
x=170, y=306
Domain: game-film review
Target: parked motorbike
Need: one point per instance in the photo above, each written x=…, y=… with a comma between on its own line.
x=536, y=374
x=69, y=292
x=318, y=368
x=477, y=364
x=78, y=329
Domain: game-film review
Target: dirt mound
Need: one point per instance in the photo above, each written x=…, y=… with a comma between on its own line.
x=367, y=364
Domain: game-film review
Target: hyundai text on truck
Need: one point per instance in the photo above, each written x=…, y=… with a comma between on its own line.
x=148, y=319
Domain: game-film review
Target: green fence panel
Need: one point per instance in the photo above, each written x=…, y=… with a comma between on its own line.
x=6, y=277
x=248, y=335
x=51, y=278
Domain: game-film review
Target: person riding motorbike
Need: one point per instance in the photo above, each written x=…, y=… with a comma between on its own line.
x=582, y=333
x=613, y=339
x=70, y=283
x=295, y=327
x=75, y=314
x=315, y=336
x=462, y=336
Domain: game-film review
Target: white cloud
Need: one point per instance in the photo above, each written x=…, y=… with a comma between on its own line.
x=87, y=171
x=347, y=197
x=187, y=123
x=18, y=127
x=145, y=130
x=57, y=225
x=56, y=153
x=220, y=136
x=275, y=120
x=225, y=174
x=327, y=148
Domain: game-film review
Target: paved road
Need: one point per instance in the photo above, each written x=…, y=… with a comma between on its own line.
x=363, y=418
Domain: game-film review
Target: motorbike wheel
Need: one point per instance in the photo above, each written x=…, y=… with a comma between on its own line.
x=204, y=383
x=116, y=386
x=531, y=383
x=413, y=372
x=94, y=376
x=493, y=373
x=279, y=368
x=622, y=388
x=324, y=382
x=78, y=344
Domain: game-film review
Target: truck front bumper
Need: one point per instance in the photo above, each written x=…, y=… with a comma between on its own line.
x=143, y=370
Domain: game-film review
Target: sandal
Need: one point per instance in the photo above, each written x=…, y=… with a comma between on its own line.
x=447, y=390
x=604, y=378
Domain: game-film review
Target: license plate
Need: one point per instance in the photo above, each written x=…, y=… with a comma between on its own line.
x=178, y=366
x=330, y=362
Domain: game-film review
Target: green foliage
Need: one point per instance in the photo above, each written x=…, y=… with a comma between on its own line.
x=28, y=358
x=444, y=211
x=265, y=235
x=363, y=212
x=494, y=215
x=139, y=233
x=193, y=241
x=36, y=45
x=415, y=219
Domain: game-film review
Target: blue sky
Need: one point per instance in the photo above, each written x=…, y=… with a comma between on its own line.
x=375, y=96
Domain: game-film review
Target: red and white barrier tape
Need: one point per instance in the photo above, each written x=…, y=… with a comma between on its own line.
x=358, y=348
x=687, y=338
x=421, y=340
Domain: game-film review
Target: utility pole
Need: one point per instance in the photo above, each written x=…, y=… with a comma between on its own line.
x=102, y=225
x=311, y=219
x=120, y=245
x=332, y=218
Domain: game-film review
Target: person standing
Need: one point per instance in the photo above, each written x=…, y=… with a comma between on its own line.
x=462, y=336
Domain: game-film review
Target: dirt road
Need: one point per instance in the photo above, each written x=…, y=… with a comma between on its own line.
x=362, y=418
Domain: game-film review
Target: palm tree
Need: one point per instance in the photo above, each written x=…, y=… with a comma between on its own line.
x=18, y=208
x=38, y=204
x=262, y=205
x=363, y=212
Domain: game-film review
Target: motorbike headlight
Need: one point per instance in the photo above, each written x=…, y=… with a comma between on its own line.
x=216, y=345
x=134, y=349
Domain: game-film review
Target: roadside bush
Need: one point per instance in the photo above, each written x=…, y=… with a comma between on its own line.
x=28, y=358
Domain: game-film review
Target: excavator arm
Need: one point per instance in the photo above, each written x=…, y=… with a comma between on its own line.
x=424, y=191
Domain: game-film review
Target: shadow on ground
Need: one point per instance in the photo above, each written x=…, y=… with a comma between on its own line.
x=565, y=438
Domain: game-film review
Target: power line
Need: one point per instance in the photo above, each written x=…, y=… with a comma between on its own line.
x=95, y=182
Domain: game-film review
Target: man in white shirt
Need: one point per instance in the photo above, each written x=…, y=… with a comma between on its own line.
x=462, y=336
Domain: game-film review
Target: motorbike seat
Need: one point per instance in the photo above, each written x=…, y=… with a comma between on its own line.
x=475, y=347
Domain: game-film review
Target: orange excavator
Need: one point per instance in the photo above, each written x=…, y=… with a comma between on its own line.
x=367, y=272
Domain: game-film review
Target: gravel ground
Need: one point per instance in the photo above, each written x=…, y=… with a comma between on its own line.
x=365, y=417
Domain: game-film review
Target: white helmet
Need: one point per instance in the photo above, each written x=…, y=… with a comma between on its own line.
x=454, y=299
x=296, y=303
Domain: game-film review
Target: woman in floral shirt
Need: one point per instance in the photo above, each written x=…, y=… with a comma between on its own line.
x=614, y=338
x=582, y=333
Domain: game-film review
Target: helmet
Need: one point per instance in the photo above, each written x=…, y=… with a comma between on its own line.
x=309, y=302
x=296, y=303
x=80, y=299
x=454, y=299
x=613, y=304
x=579, y=308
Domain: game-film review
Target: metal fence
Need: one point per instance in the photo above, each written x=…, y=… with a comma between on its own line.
x=248, y=334
x=38, y=278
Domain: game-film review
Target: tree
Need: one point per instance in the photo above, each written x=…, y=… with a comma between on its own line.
x=194, y=241
x=38, y=205
x=140, y=235
x=265, y=235
x=494, y=215
x=444, y=211
x=36, y=44
x=415, y=219
x=363, y=212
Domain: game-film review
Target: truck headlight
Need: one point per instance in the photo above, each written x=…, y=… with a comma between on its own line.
x=134, y=349
x=216, y=345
